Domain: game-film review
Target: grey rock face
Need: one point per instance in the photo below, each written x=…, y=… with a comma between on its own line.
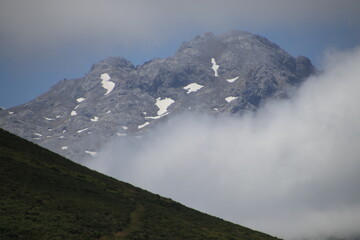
x=229, y=73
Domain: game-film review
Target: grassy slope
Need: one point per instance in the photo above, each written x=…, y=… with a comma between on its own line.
x=45, y=196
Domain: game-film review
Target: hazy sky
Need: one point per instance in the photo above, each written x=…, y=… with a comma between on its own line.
x=291, y=169
x=44, y=41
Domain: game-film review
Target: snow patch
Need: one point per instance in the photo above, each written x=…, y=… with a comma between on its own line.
x=61, y=137
x=163, y=104
x=232, y=80
x=79, y=100
x=82, y=130
x=215, y=109
x=93, y=154
x=64, y=131
x=192, y=87
x=157, y=117
x=105, y=77
x=50, y=130
x=49, y=119
x=64, y=147
x=10, y=113
x=38, y=134
x=215, y=67
x=94, y=119
x=230, y=99
x=144, y=125
x=121, y=134
x=108, y=112
x=58, y=116
x=124, y=127
x=73, y=113
x=106, y=83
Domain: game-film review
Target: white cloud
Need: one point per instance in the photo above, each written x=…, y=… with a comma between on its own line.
x=291, y=169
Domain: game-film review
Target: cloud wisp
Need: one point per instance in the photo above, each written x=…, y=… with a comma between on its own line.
x=291, y=169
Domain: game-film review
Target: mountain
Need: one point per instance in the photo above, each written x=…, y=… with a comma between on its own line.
x=45, y=196
x=214, y=74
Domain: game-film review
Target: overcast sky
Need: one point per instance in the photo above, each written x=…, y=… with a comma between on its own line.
x=45, y=41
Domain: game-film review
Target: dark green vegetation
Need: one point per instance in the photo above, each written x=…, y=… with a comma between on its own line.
x=45, y=196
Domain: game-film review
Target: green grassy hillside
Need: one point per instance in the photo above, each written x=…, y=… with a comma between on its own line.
x=45, y=196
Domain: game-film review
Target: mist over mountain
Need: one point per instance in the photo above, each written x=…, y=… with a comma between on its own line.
x=230, y=124
x=290, y=168
x=232, y=73
x=45, y=196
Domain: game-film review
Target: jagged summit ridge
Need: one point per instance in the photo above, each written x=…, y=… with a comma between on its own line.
x=229, y=73
x=118, y=62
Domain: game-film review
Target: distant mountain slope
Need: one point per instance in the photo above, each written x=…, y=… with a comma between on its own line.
x=45, y=196
x=229, y=73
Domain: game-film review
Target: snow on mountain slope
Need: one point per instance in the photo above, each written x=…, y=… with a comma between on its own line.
x=193, y=87
x=230, y=73
x=106, y=83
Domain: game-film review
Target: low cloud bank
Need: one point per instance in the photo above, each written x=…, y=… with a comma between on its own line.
x=291, y=169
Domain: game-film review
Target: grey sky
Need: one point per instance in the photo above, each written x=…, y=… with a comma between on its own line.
x=26, y=25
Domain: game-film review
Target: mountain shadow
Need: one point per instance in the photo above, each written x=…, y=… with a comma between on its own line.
x=46, y=196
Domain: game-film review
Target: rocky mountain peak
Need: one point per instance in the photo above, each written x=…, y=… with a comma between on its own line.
x=213, y=74
x=304, y=66
x=113, y=62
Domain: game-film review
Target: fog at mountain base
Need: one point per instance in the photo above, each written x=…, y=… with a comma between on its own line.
x=291, y=169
